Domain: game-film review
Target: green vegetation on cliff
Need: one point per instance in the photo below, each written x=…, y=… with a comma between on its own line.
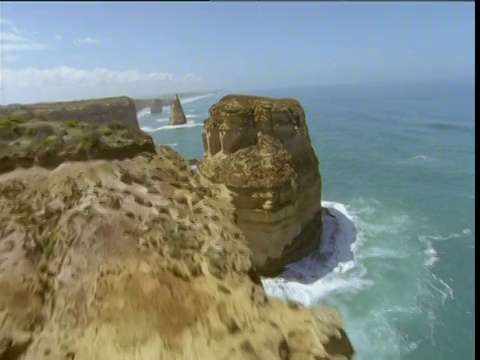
x=103, y=110
x=49, y=143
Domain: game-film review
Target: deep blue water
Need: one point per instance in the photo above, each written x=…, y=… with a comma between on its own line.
x=400, y=158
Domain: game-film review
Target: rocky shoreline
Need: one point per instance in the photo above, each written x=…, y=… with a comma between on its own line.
x=113, y=254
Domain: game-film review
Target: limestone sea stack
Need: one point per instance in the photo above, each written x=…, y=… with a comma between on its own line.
x=156, y=107
x=177, y=116
x=258, y=154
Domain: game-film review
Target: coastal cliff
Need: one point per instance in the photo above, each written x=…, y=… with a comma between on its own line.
x=258, y=154
x=134, y=259
x=177, y=115
x=50, y=143
x=126, y=255
x=120, y=109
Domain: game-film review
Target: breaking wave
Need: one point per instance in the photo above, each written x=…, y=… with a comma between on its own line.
x=188, y=100
x=189, y=124
x=367, y=256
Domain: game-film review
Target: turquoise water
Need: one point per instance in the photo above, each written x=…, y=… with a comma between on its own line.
x=400, y=160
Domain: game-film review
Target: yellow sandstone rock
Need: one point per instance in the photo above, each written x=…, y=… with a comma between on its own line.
x=134, y=259
x=258, y=154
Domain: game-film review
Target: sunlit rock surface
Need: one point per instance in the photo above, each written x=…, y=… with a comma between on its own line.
x=134, y=259
x=259, y=156
x=177, y=115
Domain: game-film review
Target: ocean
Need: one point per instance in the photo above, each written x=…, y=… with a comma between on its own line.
x=397, y=165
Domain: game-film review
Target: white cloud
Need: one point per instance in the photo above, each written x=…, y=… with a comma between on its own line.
x=13, y=40
x=8, y=58
x=67, y=83
x=28, y=46
x=11, y=37
x=58, y=37
x=4, y=21
x=86, y=41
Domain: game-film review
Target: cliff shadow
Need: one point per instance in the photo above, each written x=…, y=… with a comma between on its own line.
x=339, y=233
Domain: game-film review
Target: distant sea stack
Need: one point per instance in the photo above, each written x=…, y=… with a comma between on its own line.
x=177, y=116
x=156, y=107
x=258, y=154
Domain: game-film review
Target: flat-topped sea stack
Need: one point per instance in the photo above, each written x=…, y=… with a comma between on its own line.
x=177, y=115
x=119, y=109
x=258, y=154
x=156, y=107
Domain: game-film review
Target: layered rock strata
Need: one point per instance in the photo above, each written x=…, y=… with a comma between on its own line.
x=134, y=259
x=177, y=115
x=258, y=154
x=120, y=109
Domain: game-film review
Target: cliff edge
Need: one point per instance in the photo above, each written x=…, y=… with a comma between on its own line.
x=50, y=143
x=134, y=259
x=124, y=254
x=258, y=154
x=105, y=110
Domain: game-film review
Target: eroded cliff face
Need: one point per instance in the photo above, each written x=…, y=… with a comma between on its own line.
x=258, y=154
x=119, y=109
x=134, y=259
x=177, y=115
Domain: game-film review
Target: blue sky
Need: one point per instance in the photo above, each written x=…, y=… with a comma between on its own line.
x=59, y=51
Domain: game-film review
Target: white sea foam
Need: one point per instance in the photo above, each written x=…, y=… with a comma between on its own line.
x=190, y=116
x=162, y=120
x=445, y=290
x=323, y=272
x=147, y=128
x=195, y=98
x=423, y=157
x=356, y=236
x=189, y=124
x=425, y=238
x=189, y=100
x=417, y=159
x=166, y=108
x=143, y=112
x=172, y=144
x=377, y=252
x=431, y=253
